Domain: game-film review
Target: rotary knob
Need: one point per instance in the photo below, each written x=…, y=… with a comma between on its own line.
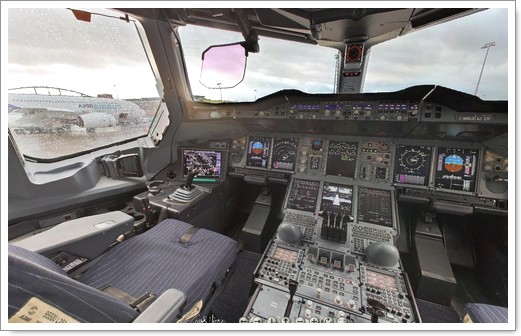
x=337, y=300
x=327, y=113
x=356, y=113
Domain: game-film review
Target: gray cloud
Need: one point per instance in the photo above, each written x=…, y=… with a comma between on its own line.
x=448, y=54
x=50, y=36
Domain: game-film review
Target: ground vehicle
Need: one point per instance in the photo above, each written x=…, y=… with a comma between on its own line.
x=319, y=158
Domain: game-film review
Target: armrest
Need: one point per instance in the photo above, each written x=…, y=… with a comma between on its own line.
x=164, y=309
x=88, y=236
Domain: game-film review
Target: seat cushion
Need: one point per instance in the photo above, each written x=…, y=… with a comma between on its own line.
x=155, y=261
x=32, y=275
x=485, y=313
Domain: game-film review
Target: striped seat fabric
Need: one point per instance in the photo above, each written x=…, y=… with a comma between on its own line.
x=155, y=261
x=485, y=313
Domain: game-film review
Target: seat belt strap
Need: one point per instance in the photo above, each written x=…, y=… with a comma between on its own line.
x=187, y=236
x=139, y=304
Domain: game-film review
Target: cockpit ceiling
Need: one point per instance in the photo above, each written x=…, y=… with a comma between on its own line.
x=318, y=26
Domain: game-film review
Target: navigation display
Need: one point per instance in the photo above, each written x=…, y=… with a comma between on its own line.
x=337, y=198
x=456, y=169
x=341, y=158
x=284, y=154
x=207, y=162
x=412, y=164
x=258, y=152
x=303, y=195
x=374, y=206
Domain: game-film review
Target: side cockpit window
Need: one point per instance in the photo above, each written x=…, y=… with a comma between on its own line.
x=78, y=80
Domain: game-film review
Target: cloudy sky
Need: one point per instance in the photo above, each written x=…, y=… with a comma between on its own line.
x=44, y=48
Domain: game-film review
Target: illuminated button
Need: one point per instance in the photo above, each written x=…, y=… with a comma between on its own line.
x=272, y=319
x=285, y=320
x=256, y=320
x=300, y=320
x=328, y=320
x=243, y=320
x=314, y=320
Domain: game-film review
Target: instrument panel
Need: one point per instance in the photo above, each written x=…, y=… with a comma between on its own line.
x=445, y=166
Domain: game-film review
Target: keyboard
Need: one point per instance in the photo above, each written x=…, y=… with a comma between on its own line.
x=307, y=224
x=364, y=235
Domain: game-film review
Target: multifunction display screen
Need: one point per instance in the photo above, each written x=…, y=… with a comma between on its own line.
x=258, y=152
x=284, y=154
x=412, y=164
x=206, y=162
x=303, y=195
x=380, y=280
x=456, y=169
x=341, y=158
x=286, y=255
x=337, y=198
x=374, y=206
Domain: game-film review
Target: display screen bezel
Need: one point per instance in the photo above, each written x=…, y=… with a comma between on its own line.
x=183, y=162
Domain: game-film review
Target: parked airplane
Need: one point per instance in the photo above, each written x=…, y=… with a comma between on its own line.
x=300, y=206
x=42, y=109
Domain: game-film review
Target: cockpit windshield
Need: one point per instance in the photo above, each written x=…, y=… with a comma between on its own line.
x=456, y=47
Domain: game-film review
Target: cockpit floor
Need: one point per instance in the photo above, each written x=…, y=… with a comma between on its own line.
x=435, y=313
x=230, y=305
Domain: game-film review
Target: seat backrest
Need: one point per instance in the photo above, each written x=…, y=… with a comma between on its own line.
x=32, y=275
x=485, y=313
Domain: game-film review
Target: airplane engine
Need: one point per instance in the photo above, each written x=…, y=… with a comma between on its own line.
x=96, y=120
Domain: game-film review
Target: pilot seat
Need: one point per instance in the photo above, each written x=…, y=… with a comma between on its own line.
x=156, y=276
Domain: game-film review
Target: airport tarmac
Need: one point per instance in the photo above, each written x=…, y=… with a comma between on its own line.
x=68, y=142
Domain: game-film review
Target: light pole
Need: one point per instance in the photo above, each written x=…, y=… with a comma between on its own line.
x=115, y=88
x=221, y=90
x=486, y=46
x=255, y=94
